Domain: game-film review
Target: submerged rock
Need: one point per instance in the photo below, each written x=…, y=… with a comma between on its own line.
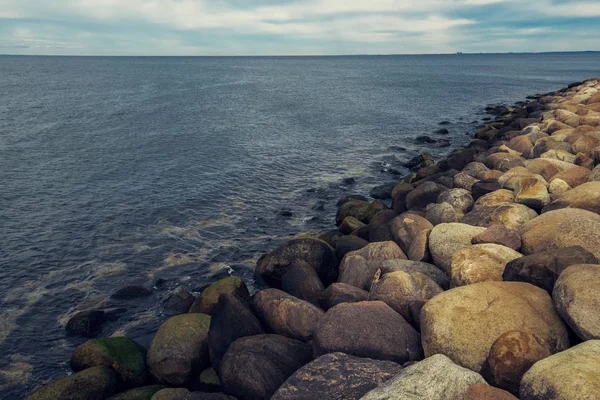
x=210, y=296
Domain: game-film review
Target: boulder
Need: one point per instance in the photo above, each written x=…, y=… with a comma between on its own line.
x=358, y=267
x=131, y=292
x=463, y=181
x=511, y=355
x=383, y=217
x=367, y=329
x=532, y=193
x=338, y=293
x=379, y=233
x=348, y=243
x=558, y=186
x=510, y=215
x=433, y=272
x=315, y=252
x=123, y=355
x=92, y=383
x=572, y=374
x=498, y=234
x=487, y=392
x=399, y=194
x=460, y=199
x=562, y=228
x=254, y=367
x=411, y=232
x=210, y=296
x=474, y=169
x=179, y=349
x=522, y=144
x=585, y=196
x=442, y=213
x=503, y=161
x=336, y=376
x=423, y=195
x=382, y=192
x=445, y=239
x=435, y=378
x=359, y=209
x=405, y=293
x=574, y=176
x=595, y=175
x=172, y=394
x=286, y=315
x=542, y=269
x=232, y=320
x=496, y=198
x=480, y=263
x=464, y=322
x=349, y=225
x=141, y=393
x=560, y=155
x=303, y=282
x=484, y=187
x=511, y=178
x=179, y=301
x=576, y=299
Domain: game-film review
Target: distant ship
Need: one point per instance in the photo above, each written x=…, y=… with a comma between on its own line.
x=459, y=52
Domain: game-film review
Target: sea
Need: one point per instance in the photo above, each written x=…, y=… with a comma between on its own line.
x=173, y=172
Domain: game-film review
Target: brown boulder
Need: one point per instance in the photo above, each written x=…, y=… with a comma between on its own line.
x=420, y=197
x=411, y=232
x=501, y=235
x=303, y=282
x=349, y=225
x=487, y=392
x=496, y=198
x=574, y=176
x=511, y=216
x=585, y=196
x=532, y=193
x=480, y=263
x=338, y=293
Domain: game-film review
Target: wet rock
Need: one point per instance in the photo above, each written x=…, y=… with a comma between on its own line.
x=348, y=181
x=424, y=139
x=487, y=392
x=123, y=355
x=383, y=333
x=405, y=293
x=562, y=228
x=585, y=196
x=336, y=376
x=210, y=296
x=286, y=315
x=358, y=267
x=172, y=394
x=576, y=299
x=511, y=356
x=232, y=320
x=179, y=349
x=411, y=231
x=92, y=383
x=435, y=378
x=445, y=239
x=383, y=217
x=379, y=233
x=254, y=367
x=463, y=323
x=511, y=216
x=480, y=263
x=89, y=322
x=131, y=292
x=351, y=197
x=303, y=282
x=532, y=193
x=498, y=234
x=442, y=213
x=361, y=210
x=348, y=243
x=349, y=225
x=399, y=195
x=315, y=252
x=179, y=301
x=338, y=293
x=418, y=161
x=572, y=374
x=141, y=393
x=484, y=187
x=382, y=192
x=442, y=131
x=542, y=269
x=433, y=272
x=420, y=197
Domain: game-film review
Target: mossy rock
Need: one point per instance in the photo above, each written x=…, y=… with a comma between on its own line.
x=179, y=349
x=123, y=355
x=210, y=296
x=93, y=383
x=141, y=393
x=361, y=210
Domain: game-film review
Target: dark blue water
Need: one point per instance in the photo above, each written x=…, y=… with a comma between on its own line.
x=131, y=170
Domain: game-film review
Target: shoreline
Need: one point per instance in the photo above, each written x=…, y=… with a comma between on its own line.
x=482, y=202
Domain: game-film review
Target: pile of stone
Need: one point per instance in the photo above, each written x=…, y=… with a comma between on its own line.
x=479, y=282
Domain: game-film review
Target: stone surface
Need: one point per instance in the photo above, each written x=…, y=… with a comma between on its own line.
x=349, y=225
x=496, y=198
x=367, y=329
x=542, y=269
x=338, y=293
x=585, y=196
x=254, y=367
x=464, y=322
x=336, y=376
x=92, y=383
x=411, y=232
x=286, y=315
x=498, y=234
x=460, y=199
x=511, y=356
x=141, y=393
x=423, y=195
x=358, y=267
x=558, y=186
x=405, y=293
x=574, y=176
x=435, y=378
x=532, y=193
x=179, y=349
x=445, y=239
x=442, y=213
x=433, y=272
x=562, y=228
x=303, y=282
x=572, y=374
x=511, y=216
x=487, y=392
x=179, y=301
x=484, y=187
x=480, y=263
x=347, y=243
x=577, y=299
x=210, y=296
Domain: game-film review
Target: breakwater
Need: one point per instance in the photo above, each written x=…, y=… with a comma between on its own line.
x=482, y=270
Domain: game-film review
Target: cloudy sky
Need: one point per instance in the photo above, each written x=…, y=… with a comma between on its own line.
x=295, y=27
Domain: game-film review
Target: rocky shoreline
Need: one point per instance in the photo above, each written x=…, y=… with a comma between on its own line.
x=479, y=282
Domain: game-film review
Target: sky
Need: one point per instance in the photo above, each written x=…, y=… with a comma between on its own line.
x=296, y=27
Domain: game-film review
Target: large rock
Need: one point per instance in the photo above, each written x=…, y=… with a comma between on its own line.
x=179, y=349
x=511, y=355
x=445, y=239
x=210, y=296
x=123, y=355
x=315, y=252
x=498, y=234
x=480, y=263
x=562, y=228
x=140, y=393
x=254, y=367
x=423, y=195
x=572, y=374
x=574, y=176
x=303, y=282
x=286, y=315
x=487, y=392
x=359, y=209
x=348, y=243
x=576, y=298
x=94, y=383
x=411, y=233
x=442, y=213
x=511, y=216
x=367, y=329
x=232, y=320
x=435, y=378
x=464, y=322
x=433, y=272
x=532, y=193
x=405, y=293
x=338, y=293
x=585, y=196
x=496, y=198
x=358, y=267
x=336, y=376
x=349, y=225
